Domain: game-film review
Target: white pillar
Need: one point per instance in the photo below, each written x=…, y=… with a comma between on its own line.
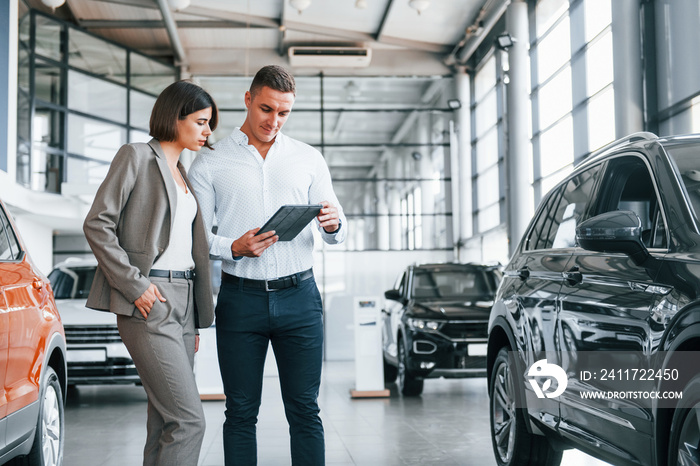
x=627, y=72
x=518, y=201
x=462, y=178
x=8, y=85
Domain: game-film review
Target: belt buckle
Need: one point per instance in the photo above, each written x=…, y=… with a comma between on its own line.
x=267, y=286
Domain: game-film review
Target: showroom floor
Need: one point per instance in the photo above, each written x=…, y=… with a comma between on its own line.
x=447, y=425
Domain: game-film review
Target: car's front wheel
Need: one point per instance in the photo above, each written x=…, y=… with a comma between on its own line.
x=685, y=427
x=47, y=449
x=409, y=385
x=512, y=444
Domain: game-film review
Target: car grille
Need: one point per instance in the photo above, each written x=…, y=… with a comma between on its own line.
x=462, y=330
x=91, y=334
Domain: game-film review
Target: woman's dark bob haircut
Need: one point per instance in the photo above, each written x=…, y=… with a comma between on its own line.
x=178, y=100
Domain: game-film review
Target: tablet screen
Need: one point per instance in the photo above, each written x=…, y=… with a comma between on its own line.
x=289, y=220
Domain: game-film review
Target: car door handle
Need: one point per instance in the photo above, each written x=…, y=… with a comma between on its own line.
x=573, y=276
x=524, y=273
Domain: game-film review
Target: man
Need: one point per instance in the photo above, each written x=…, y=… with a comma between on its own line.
x=268, y=293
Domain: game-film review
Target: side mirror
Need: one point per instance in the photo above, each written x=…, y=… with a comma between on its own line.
x=617, y=231
x=393, y=295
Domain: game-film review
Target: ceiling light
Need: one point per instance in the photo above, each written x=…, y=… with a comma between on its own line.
x=361, y=4
x=53, y=3
x=178, y=5
x=454, y=104
x=419, y=5
x=505, y=41
x=300, y=5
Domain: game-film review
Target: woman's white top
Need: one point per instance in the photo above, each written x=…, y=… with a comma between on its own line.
x=178, y=254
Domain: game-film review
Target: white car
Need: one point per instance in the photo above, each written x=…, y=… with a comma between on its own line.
x=96, y=353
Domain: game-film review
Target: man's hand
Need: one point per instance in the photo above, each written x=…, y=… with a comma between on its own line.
x=328, y=217
x=250, y=245
x=196, y=343
x=145, y=303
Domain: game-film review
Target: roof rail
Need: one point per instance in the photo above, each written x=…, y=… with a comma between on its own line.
x=634, y=137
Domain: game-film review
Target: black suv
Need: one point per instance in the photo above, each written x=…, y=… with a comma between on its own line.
x=609, y=271
x=435, y=323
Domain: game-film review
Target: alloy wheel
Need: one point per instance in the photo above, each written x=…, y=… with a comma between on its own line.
x=51, y=427
x=503, y=407
x=689, y=441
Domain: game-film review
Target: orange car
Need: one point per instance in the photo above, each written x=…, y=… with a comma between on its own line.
x=32, y=357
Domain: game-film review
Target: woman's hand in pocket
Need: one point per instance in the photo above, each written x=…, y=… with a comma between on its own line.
x=145, y=303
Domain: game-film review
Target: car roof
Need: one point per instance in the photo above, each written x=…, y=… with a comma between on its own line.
x=459, y=265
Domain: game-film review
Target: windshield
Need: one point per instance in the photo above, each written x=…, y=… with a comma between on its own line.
x=71, y=283
x=459, y=284
x=687, y=160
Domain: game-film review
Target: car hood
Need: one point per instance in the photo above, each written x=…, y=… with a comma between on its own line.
x=452, y=309
x=74, y=312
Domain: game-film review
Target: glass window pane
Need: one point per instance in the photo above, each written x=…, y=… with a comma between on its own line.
x=557, y=146
x=487, y=150
x=47, y=129
x=599, y=63
x=150, y=75
x=47, y=82
x=548, y=12
x=6, y=253
x=695, y=114
x=547, y=183
x=139, y=136
x=97, y=56
x=555, y=98
x=23, y=69
x=48, y=38
x=96, y=97
x=140, y=109
x=94, y=139
x=598, y=16
x=81, y=171
x=486, y=113
x=487, y=187
x=601, y=119
x=554, y=50
x=485, y=79
x=23, y=116
x=489, y=218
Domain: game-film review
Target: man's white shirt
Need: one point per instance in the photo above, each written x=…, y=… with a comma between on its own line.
x=239, y=190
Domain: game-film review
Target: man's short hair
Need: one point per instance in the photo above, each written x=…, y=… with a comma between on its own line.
x=275, y=77
x=178, y=100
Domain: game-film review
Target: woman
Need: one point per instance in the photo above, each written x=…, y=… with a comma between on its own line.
x=148, y=236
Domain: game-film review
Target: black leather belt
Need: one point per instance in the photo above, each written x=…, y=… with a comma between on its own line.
x=188, y=274
x=268, y=285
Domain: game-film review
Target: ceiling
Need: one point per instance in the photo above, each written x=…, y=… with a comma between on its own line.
x=370, y=110
x=236, y=37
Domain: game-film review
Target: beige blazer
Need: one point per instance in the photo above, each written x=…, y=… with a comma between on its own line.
x=129, y=226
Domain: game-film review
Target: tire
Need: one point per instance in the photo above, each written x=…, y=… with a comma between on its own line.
x=390, y=372
x=409, y=385
x=47, y=449
x=512, y=444
x=685, y=433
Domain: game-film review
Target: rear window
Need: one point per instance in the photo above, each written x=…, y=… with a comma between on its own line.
x=453, y=283
x=72, y=283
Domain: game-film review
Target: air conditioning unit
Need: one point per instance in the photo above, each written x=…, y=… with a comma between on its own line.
x=329, y=57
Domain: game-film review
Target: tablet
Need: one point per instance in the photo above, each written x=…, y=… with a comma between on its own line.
x=289, y=220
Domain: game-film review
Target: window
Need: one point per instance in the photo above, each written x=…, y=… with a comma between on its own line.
x=563, y=214
x=9, y=246
x=628, y=186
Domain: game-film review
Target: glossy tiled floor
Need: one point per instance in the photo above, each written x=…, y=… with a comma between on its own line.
x=447, y=425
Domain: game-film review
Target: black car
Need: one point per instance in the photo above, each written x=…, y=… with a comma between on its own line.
x=435, y=323
x=601, y=304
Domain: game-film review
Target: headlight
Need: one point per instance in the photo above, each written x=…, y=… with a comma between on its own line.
x=422, y=324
